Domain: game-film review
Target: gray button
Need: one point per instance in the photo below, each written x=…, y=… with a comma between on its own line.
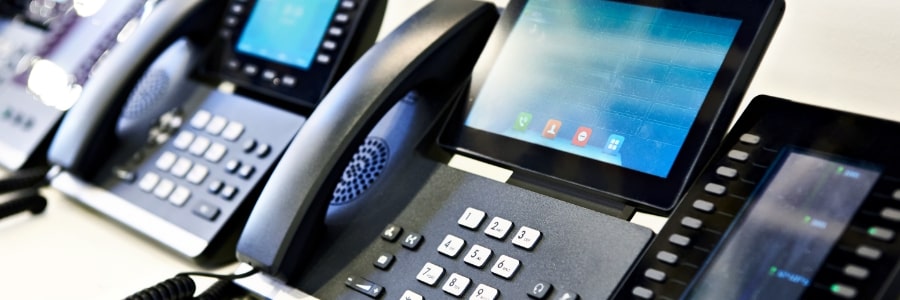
x=216, y=152
x=667, y=257
x=843, y=291
x=335, y=31
x=181, y=167
x=692, y=223
x=329, y=45
x=896, y=195
x=738, y=155
x=206, y=211
x=891, y=214
x=715, y=189
x=868, y=252
x=164, y=188
x=642, y=292
x=323, y=59
x=655, y=275
x=679, y=240
x=180, y=196
x=342, y=18
x=183, y=140
x=704, y=206
x=727, y=172
x=881, y=233
x=200, y=119
x=750, y=139
x=856, y=272
x=347, y=4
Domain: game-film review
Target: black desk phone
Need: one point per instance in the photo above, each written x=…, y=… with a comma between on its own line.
x=191, y=113
x=586, y=131
x=798, y=202
x=48, y=49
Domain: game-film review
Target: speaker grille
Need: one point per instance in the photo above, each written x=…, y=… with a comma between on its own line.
x=363, y=169
x=147, y=91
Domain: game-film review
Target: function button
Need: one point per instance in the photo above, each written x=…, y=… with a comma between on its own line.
x=868, y=252
x=856, y=272
x=232, y=166
x=526, y=238
x=347, y=4
x=750, y=139
x=896, y=195
x=183, y=140
x=148, y=182
x=484, y=292
x=216, y=125
x=342, y=18
x=881, y=233
x=249, y=146
x=704, y=206
x=323, y=59
x=206, y=211
x=692, y=223
x=233, y=64
x=642, y=292
x=180, y=196
x=890, y=214
x=233, y=131
x=288, y=81
x=231, y=21
x=384, y=261
x=412, y=241
x=391, y=233
x=410, y=295
x=456, y=285
x=199, y=145
x=329, y=45
x=200, y=119
x=215, y=153
x=540, y=290
x=451, y=246
x=228, y=192
x=251, y=70
x=655, y=275
x=505, y=267
x=164, y=189
x=667, y=257
x=166, y=160
x=679, y=240
x=843, y=291
x=215, y=186
x=269, y=75
x=727, y=172
x=430, y=274
x=124, y=175
x=263, y=150
x=197, y=174
x=471, y=218
x=366, y=287
x=498, y=228
x=335, y=31
x=478, y=256
x=567, y=296
x=237, y=9
x=738, y=155
x=246, y=171
x=181, y=167
x=715, y=189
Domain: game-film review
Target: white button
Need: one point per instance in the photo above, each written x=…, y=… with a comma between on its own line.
x=471, y=218
x=505, y=267
x=183, y=140
x=498, y=227
x=180, y=196
x=348, y=4
x=199, y=146
x=216, y=125
x=181, y=167
x=289, y=81
x=342, y=18
x=477, y=256
x=233, y=131
x=456, y=285
x=410, y=295
x=323, y=59
x=335, y=31
x=166, y=160
x=148, y=182
x=451, y=246
x=200, y=119
x=329, y=45
x=526, y=238
x=215, y=153
x=198, y=174
x=164, y=188
x=430, y=274
x=269, y=75
x=484, y=292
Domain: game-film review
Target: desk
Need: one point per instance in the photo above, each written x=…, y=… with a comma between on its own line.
x=832, y=53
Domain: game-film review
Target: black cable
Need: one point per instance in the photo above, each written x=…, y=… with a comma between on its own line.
x=23, y=179
x=182, y=287
x=31, y=201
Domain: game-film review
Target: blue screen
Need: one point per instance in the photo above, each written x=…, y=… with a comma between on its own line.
x=614, y=82
x=287, y=31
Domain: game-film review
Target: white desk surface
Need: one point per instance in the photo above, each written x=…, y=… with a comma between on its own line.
x=833, y=53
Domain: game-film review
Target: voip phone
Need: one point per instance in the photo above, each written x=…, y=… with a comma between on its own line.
x=588, y=129
x=48, y=49
x=176, y=143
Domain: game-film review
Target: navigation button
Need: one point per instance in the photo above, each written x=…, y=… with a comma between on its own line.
x=363, y=286
x=206, y=211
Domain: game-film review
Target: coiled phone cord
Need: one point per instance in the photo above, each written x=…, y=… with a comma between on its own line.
x=182, y=287
x=23, y=179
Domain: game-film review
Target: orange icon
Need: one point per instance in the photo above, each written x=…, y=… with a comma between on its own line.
x=551, y=129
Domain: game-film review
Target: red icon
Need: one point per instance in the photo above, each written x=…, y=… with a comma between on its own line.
x=551, y=129
x=582, y=136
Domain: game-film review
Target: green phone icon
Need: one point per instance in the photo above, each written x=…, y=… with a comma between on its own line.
x=522, y=121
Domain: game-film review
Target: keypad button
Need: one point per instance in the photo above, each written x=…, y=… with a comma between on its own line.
x=667, y=257
x=215, y=153
x=692, y=223
x=843, y=291
x=563, y=295
x=233, y=131
x=679, y=240
x=471, y=218
x=164, y=189
x=166, y=160
x=199, y=146
x=246, y=171
x=451, y=246
x=526, y=238
x=540, y=290
x=197, y=174
x=263, y=150
x=642, y=293
x=727, y=172
x=498, y=228
x=183, y=140
x=715, y=189
x=410, y=295
x=412, y=241
x=856, y=272
x=384, y=261
x=391, y=233
x=206, y=211
x=456, y=285
x=366, y=287
x=228, y=192
x=750, y=139
x=868, y=252
x=738, y=155
x=181, y=167
x=478, y=256
x=484, y=292
x=215, y=186
x=881, y=233
x=216, y=125
x=249, y=146
x=505, y=267
x=148, y=182
x=890, y=214
x=232, y=166
x=655, y=275
x=704, y=206
x=430, y=274
x=180, y=196
x=200, y=119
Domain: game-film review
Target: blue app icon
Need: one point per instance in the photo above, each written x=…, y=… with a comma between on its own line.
x=614, y=143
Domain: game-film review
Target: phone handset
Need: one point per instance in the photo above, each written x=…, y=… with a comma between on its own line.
x=438, y=45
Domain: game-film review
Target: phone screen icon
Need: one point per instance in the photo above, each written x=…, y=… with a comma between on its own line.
x=551, y=129
x=522, y=121
x=582, y=136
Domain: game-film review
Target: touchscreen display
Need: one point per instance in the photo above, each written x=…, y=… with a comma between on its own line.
x=287, y=31
x=614, y=82
x=795, y=217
